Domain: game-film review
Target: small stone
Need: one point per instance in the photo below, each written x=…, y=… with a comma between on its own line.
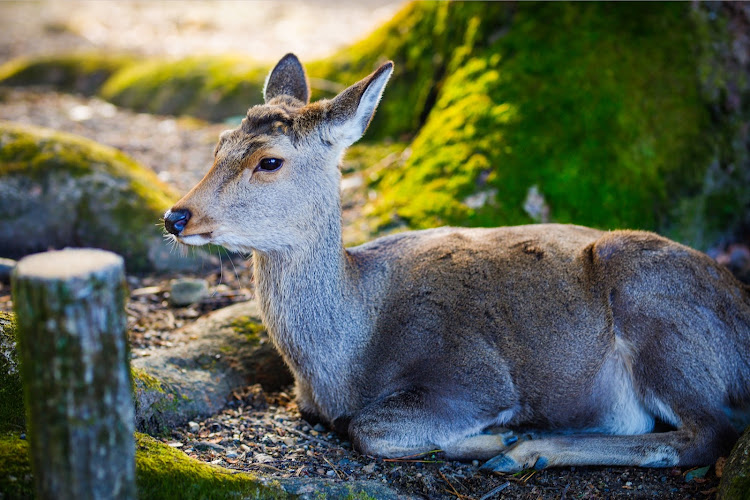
x=319, y=428
x=330, y=473
x=369, y=468
x=231, y=454
x=176, y=444
x=206, y=445
x=193, y=426
x=475, y=463
x=186, y=291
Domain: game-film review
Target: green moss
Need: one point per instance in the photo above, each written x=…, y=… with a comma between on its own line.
x=596, y=104
x=82, y=72
x=12, y=416
x=209, y=87
x=161, y=473
x=423, y=40
x=120, y=202
x=249, y=328
x=145, y=381
x=15, y=467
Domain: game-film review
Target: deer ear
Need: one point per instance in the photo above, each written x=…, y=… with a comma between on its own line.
x=350, y=112
x=287, y=78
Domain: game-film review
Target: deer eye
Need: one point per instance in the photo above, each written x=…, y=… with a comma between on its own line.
x=269, y=164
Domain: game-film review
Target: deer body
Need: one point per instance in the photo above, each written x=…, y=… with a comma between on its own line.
x=429, y=339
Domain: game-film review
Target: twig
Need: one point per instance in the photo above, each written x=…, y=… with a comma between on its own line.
x=332, y=467
x=565, y=491
x=453, y=491
x=495, y=491
x=411, y=458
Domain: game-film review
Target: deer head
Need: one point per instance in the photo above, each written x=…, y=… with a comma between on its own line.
x=274, y=182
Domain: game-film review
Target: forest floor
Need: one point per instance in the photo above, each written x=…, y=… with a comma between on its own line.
x=264, y=433
x=257, y=432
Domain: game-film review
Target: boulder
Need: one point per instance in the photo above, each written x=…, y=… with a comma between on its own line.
x=219, y=354
x=59, y=190
x=735, y=479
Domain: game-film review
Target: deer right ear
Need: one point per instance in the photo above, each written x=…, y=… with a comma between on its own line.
x=287, y=78
x=352, y=110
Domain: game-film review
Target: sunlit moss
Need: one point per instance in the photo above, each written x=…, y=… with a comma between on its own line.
x=15, y=467
x=209, y=87
x=80, y=72
x=161, y=473
x=422, y=39
x=596, y=104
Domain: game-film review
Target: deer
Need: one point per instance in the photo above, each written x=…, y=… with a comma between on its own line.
x=533, y=346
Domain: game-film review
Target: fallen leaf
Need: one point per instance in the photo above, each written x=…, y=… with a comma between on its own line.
x=719, y=467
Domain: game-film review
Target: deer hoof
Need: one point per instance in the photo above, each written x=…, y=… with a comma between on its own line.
x=501, y=463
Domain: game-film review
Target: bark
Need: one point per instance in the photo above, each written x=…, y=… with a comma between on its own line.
x=75, y=370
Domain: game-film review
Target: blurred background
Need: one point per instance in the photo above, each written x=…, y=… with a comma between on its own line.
x=610, y=115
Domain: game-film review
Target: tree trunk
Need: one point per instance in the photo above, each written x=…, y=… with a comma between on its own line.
x=75, y=371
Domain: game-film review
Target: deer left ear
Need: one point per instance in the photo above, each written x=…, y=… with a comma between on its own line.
x=287, y=78
x=350, y=112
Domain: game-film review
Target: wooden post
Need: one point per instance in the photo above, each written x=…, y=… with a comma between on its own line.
x=75, y=370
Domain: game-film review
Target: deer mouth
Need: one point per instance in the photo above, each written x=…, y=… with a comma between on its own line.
x=195, y=239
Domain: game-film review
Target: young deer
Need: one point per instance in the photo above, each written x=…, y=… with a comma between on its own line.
x=578, y=339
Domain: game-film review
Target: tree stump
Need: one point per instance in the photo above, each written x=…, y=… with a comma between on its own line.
x=75, y=371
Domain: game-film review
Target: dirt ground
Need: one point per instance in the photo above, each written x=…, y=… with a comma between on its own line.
x=257, y=432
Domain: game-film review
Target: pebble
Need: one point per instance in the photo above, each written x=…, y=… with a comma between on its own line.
x=193, y=426
x=186, y=291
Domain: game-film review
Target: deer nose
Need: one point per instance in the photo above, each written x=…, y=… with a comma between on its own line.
x=176, y=220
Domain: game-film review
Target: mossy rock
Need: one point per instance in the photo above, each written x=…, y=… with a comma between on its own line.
x=12, y=416
x=229, y=350
x=735, y=480
x=161, y=473
x=424, y=39
x=60, y=190
x=597, y=105
x=208, y=87
x=83, y=72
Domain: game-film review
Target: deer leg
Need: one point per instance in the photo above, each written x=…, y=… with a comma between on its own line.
x=411, y=423
x=688, y=445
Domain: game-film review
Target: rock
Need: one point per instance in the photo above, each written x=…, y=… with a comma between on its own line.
x=59, y=190
x=228, y=349
x=186, y=291
x=6, y=266
x=735, y=478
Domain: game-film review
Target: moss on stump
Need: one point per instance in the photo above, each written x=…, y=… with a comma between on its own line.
x=60, y=190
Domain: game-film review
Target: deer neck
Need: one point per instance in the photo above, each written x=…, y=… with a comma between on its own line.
x=309, y=301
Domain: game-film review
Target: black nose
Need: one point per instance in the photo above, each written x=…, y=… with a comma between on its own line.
x=175, y=220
